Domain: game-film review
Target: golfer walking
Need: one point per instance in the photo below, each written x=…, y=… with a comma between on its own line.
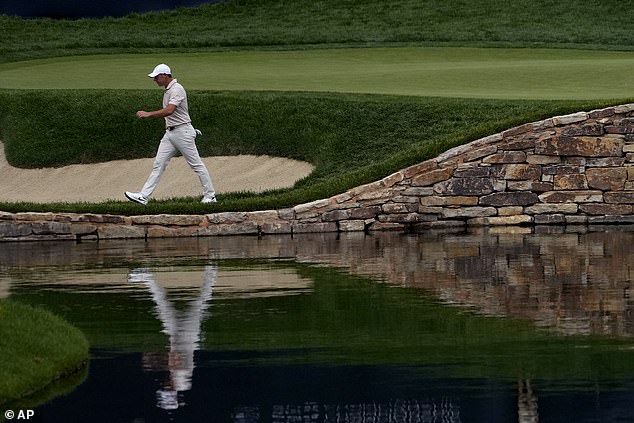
x=180, y=136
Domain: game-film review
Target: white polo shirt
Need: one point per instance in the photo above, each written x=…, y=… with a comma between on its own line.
x=175, y=94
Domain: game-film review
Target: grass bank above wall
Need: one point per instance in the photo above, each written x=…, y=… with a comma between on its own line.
x=351, y=139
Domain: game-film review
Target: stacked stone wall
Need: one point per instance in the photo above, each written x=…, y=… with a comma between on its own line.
x=576, y=169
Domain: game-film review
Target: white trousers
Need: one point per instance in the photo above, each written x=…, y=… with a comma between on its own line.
x=180, y=139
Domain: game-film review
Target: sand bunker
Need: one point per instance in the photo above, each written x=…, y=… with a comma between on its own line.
x=106, y=181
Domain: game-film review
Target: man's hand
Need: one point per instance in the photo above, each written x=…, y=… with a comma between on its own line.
x=164, y=112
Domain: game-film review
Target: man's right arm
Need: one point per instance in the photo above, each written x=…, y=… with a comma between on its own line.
x=164, y=112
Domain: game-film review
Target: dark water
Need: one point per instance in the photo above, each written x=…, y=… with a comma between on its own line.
x=479, y=327
x=74, y=9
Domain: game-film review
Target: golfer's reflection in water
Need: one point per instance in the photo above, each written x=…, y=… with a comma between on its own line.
x=182, y=325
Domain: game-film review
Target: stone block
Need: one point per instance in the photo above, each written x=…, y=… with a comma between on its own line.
x=420, y=168
x=606, y=209
x=461, y=200
x=393, y=179
x=418, y=191
x=386, y=226
x=83, y=229
x=114, y=231
x=611, y=220
x=619, y=197
x=168, y=232
x=540, y=159
x=365, y=212
x=226, y=217
x=562, y=169
x=299, y=228
x=509, y=230
x=87, y=217
x=406, y=218
x=526, y=143
x=276, y=228
x=578, y=161
x=602, y=113
x=565, y=208
x=100, y=218
x=473, y=172
x=506, y=157
x=405, y=199
x=430, y=209
x=515, y=198
x=472, y=155
x=508, y=220
x=263, y=216
x=468, y=212
x=619, y=129
x=465, y=186
x=51, y=228
x=335, y=215
x=607, y=179
x=576, y=220
x=605, y=146
x=286, y=214
x=374, y=195
x=342, y=198
x=432, y=177
x=168, y=220
x=13, y=230
x=574, y=181
x=518, y=130
x=569, y=119
x=352, y=225
x=624, y=108
x=315, y=205
x=543, y=124
x=510, y=210
x=116, y=220
x=519, y=172
x=391, y=208
x=535, y=186
x=630, y=173
x=434, y=200
x=585, y=196
x=222, y=229
x=594, y=129
x=549, y=219
x=33, y=217
x=605, y=162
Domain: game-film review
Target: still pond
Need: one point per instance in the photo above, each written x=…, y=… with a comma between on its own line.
x=475, y=327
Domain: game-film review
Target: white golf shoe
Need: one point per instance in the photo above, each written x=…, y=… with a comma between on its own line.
x=137, y=197
x=209, y=199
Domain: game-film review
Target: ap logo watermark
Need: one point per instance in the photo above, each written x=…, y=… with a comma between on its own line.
x=19, y=414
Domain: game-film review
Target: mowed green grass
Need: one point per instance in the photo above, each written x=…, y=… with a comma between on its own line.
x=501, y=73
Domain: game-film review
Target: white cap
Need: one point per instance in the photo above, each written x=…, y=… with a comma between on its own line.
x=159, y=69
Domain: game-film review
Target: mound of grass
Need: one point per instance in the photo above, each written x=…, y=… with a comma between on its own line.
x=37, y=348
x=283, y=23
x=351, y=139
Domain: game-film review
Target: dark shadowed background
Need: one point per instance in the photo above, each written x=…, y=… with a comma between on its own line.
x=75, y=9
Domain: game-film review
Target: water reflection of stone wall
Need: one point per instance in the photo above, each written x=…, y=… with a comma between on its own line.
x=405, y=411
x=575, y=283
x=572, y=282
